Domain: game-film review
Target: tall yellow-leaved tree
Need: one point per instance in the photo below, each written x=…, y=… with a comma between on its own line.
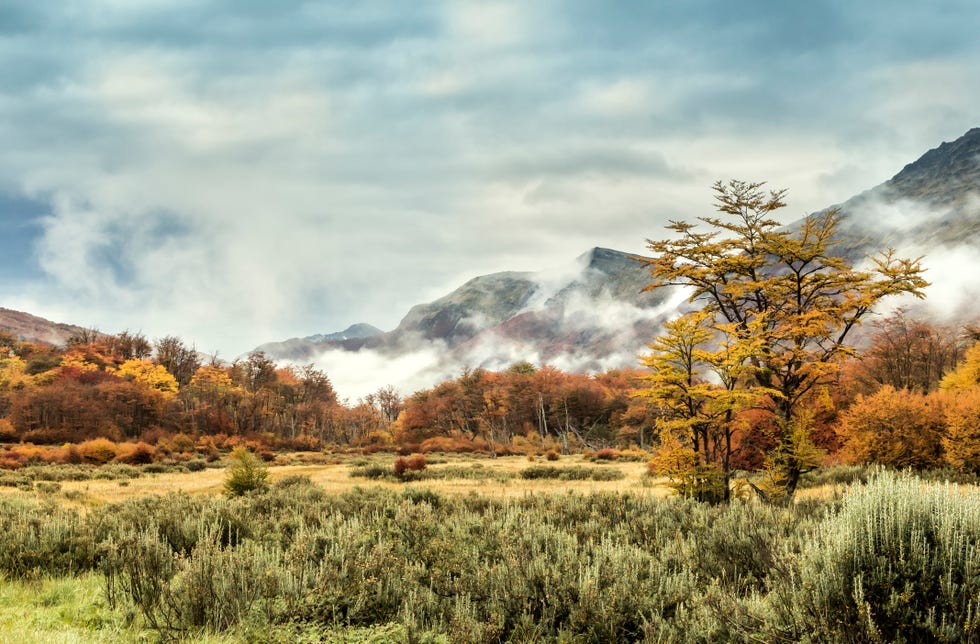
x=782, y=293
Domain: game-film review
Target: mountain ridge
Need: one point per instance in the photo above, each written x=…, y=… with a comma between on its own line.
x=515, y=307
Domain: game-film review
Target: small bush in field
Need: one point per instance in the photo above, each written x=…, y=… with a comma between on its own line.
x=47, y=487
x=633, y=455
x=404, y=466
x=293, y=481
x=401, y=464
x=552, y=455
x=373, y=471
x=182, y=443
x=98, y=451
x=835, y=475
x=196, y=465
x=607, y=454
x=246, y=473
x=116, y=471
x=138, y=454
x=159, y=468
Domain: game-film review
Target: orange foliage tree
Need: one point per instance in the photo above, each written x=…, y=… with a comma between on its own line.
x=961, y=443
x=894, y=427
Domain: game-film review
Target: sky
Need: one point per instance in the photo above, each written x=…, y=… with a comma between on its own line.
x=242, y=172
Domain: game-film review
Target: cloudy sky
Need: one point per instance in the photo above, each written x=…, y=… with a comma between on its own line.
x=239, y=172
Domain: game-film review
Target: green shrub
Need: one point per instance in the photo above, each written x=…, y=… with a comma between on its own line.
x=246, y=473
x=161, y=468
x=835, y=475
x=48, y=487
x=293, y=481
x=38, y=539
x=196, y=465
x=475, y=472
x=117, y=471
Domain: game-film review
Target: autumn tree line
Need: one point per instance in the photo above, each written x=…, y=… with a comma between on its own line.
x=912, y=399
x=760, y=373
x=126, y=388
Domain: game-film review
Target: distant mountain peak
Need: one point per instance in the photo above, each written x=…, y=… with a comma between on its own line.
x=359, y=331
x=944, y=175
x=607, y=260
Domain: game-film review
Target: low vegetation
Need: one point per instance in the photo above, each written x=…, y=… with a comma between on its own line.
x=890, y=560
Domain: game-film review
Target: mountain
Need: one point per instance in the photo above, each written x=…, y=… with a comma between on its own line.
x=577, y=315
x=358, y=331
x=530, y=306
x=593, y=314
x=31, y=328
x=303, y=350
x=934, y=202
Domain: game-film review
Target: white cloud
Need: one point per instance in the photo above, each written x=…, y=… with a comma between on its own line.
x=622, y=98
x=488, y=23
x=356, y=374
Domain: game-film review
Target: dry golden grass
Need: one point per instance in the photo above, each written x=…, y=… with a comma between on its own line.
x=335, y=478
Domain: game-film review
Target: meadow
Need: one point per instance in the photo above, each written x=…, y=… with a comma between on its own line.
x=480, y=550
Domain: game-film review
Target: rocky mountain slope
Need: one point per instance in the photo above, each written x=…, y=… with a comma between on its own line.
x=934, y=202
x=31, y=328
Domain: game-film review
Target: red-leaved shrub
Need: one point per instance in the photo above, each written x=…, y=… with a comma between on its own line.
x=136, y=453
x=414, y=463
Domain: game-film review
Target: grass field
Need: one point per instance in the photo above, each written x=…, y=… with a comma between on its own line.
x=498, y=478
